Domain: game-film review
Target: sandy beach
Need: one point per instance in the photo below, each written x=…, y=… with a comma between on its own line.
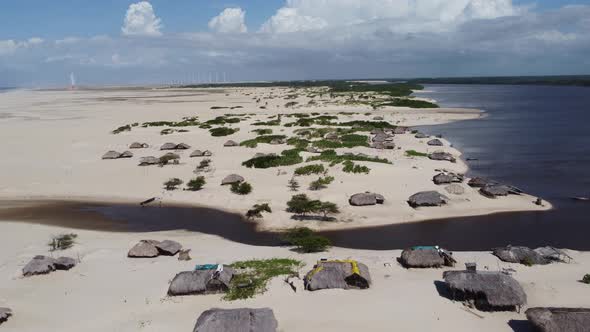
x=54, y=141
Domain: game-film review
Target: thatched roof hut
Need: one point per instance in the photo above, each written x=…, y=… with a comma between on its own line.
x=495, y=190
x=196, y=153
x=521, y=255
x=5, y=313
x=111, y=155
x=478, y=182
x=421, y=135
x=147, y=161
x=237, y=320
x=435, y=142
x=183, y=146
x=201, y=282
x=427, y=198
x=343, y=274
x=559, y=319
x=168, y=247
x=443, y=156
x=446, y=178
x=137, y=145
x=426, y=257
x=493, y=291
x=44, y=265
x=126, y=154
x=144, y=249
x=231, y=179
x=168, y=146
x=455, y=189
x=230, y=143
x=367, y=198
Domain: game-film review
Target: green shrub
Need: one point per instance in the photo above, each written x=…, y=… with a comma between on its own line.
x=243, y=188
x=310, y=169
x=254, y=275
x=287, y=158
x=263, y=131
x=167, y=158
x=350, y=167
x=527, y=261
x=252, y=143
x=298, y=143
x=302, y=205
x=412, y=103
x=333, y=158
x=305, y=240
x=414, y=153
x=256, y=211
x=293, y=184
x=172, y=184
x=122, y=129
x=62, y=242
x=196, y=184
x=586, y=279
x=222, y=131
x=321, y=183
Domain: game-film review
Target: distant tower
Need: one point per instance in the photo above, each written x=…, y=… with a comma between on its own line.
x=72, y=81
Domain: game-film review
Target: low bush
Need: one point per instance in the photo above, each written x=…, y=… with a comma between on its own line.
x=122, y=129
x=62, y=242
x=256, y=211
x=334, y=158
x=412, y=103
x=172, y=184
x=414, y=153
x=243, y=188
x=350, y=167
x=586, y=279
x=287, y=158
x=222, y=131
x=254, y=275
x=310, y=169
x=262, y=131
x=321, y=183
x=306, y=240
x=196, y=184
x=266, y=139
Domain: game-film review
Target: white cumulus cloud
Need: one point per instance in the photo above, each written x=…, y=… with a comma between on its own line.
x=302, y=15
x=230, y=20
x=141, y=20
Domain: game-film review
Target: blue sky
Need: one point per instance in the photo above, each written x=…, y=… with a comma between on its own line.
x=133, y=41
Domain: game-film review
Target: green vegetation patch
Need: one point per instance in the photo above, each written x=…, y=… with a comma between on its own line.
x=414, y=153
x=298, y=143
x=287, y=158
x=334, y=158
x=242, y=188
x=405, y=102
x=253, y=276
x=221, y=120
x=344, y=141
x=62, y=242
x=321, y=183
x=310, y=169
x=350, y=167
x=252, y=143
x=586, y=279
x=306, y=240
x=223, y=131
x=121, y=129
x=261, y=132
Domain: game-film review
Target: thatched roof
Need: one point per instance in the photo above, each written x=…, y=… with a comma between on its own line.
x=435, y=142
x=183, y=146
x=421, y=135
x=446, y=178
x=231, y=143
x=111, y=155
x=144, y=249
x=559, y=319
x=489, y=290
x=237, y=320
x=207, y=153
x=338, y=274
x=495, y=190
x=522, y=255
x=367, y=198
x=44, y=265
x=168, y=146
x=196, y=153
x=146, y=161
x=168, y=247
x=126, y=154
x=427, y=198
x=231, y=179
x=424, y=257
x=137, y=145
x=442, y=156
x=478, y=182
x=4, y=314
x=201, y=282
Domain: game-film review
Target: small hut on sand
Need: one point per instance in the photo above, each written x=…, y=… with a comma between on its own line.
x=237, y=320
x=559, y=319
x=489, y=291
x=204, y=281
x=521, y=255
x=343, y=274
x=426, y=257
